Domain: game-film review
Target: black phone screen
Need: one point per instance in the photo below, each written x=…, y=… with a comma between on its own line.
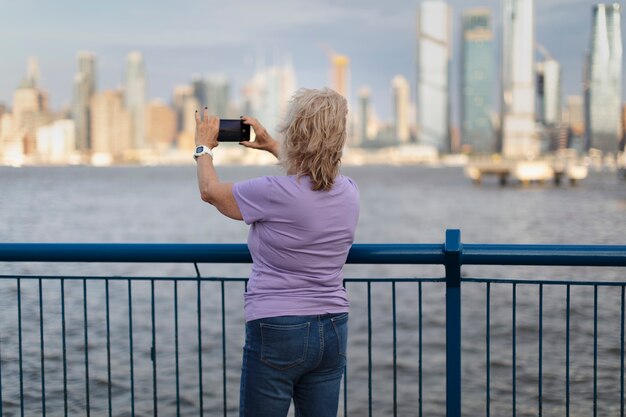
x=233, y=130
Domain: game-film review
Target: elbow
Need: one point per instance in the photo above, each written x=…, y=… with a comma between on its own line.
x=206, y=196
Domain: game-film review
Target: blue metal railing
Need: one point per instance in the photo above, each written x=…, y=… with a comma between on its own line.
x=452, y=255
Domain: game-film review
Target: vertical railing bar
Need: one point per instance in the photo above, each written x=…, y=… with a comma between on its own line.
x=199, y=305
x=488, y=350
x=153, y=352
x=369, y=347
x=419, y=368
x=19, y=336
x=345, y=381
x=453, y=252
x=1, y=412
x=130, y=342
x=621, y=365
x=540, y=376
x=514, y=350
x=64, y=343
x=108, y=324
x=567, y=337
x=395, y=353
x=86, y=335
x=176, y=348
x=595, y=350
x=41, y=350
x=224, y=349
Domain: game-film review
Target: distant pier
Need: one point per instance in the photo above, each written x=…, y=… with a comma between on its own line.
x=527, y=172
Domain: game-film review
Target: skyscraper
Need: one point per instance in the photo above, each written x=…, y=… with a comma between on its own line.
x=477, y=75
x=624, y=127
x=218, y=95
x=549, y=91
x=340, y=74
x=160, y=125
x=198, y=86
x=135, y=97
x=603, y=86
x=84, y=89
x=518, y=133
x=111, y=127
x=32, y=72
x=181, y=95
x=400, y=106
x=267, y=94
x=434, y=39
x=364, y=116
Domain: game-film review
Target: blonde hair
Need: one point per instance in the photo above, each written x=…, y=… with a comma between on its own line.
x=314, y=133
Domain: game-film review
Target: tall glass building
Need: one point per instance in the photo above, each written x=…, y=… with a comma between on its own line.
x=218, y=95
x=84, y=89
x=603, y=87
x=400, y=102
x=135, y=97
x=477, y=75
x=434, y=39
x=518, y=131
x=549, y=91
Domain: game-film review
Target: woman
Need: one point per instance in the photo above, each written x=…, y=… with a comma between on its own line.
x=302, y=227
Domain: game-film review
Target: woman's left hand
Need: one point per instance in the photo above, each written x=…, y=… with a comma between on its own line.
x=207, y=129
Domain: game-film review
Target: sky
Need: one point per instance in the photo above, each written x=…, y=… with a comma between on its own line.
x=234, y=37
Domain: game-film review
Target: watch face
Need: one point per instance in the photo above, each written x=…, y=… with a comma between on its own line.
x=199, y=149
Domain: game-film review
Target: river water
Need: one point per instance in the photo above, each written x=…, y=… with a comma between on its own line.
x=398, y=205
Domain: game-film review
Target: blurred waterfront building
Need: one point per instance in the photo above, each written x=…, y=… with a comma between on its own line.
x=400, y=99
x=367, y=122
x=27, y=101
x=160, y=125
x=340, y=81
x=84, y=88
x=111, y=127
x=181, y=95
x=549, y=91
x=11, y=142
x=32, y=72
x=198, y=87
x=574, y=120
x=135, y=97
x=623, y=127
x=603, y=86
x=517, y=128
x=185, y=105
x=364, y=115
x=30, y=108
x=218, y=96
x=267, y=95
x=477, y=76
x=56, y=142
x=434, y=43
x=340, y=74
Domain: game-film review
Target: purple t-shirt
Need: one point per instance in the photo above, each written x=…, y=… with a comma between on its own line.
x=299, y=241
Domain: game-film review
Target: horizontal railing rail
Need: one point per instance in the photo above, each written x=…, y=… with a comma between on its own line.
x=452, y=254
x=397, y=254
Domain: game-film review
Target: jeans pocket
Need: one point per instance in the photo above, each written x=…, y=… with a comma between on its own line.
x=284, y=346
x=340, y=324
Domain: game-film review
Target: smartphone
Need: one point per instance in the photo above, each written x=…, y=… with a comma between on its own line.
x=233, y=130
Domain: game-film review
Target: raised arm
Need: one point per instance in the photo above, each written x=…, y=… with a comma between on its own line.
x=213, y=191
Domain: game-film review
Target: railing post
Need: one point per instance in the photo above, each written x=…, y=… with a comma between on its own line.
x=452, y=261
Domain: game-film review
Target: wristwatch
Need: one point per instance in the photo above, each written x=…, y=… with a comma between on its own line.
x=201, y=150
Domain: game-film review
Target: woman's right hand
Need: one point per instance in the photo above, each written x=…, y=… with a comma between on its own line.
x=263, y=140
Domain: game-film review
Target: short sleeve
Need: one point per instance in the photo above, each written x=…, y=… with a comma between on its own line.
x=253, y=198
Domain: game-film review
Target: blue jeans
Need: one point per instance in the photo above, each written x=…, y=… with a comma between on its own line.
x=299, y=357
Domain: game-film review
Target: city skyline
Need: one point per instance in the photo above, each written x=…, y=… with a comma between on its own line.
x=380, y=43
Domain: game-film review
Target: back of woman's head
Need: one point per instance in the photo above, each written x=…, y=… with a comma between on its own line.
x=314, y=135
